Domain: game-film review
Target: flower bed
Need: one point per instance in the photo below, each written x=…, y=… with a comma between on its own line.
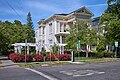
x=38, y=57
x=60, y=57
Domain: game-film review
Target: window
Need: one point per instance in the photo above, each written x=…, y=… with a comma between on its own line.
x=43, y=41
x=65, y=28
x=40, y=31
x=60, y=27
x=63, y=39
x=82, y=11
x=50, y=28
x=43, y=30
x=50, y=41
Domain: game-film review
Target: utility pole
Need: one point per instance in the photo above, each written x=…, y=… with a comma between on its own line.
x=25, y=49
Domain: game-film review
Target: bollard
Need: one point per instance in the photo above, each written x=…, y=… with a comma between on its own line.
x=72, y=59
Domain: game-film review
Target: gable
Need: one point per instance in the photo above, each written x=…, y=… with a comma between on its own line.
x=84, y=10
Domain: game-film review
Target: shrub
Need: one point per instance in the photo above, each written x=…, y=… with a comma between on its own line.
x=67, y=52
x=22, y=57
x=28, y=57
x=15, y=57
x=61, y=57
x=80, y=54
x=50, y=58
x=38, y=57
x=109, y=54
x=64, y=57
x=11, y=55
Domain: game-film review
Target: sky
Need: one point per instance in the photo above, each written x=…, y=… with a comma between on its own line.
x=40, y=9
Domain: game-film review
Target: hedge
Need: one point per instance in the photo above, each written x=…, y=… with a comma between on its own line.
x=38, y=57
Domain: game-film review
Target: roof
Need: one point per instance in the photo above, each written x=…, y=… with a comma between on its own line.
x=96, y=18
x=88, y=12
x=82, y=8
x=62, y=14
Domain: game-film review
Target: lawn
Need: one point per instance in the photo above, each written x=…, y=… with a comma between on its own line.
x=0, y=62
x=59, y=63
x=95, y=60
x=35, y=64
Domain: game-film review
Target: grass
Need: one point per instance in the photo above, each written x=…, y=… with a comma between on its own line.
x=77, y=59
x=0, y=62
x=36, y=64
x=96, y=60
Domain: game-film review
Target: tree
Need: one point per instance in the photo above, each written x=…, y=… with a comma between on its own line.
x=43, y=51
x=111, y=21
x=83, y=32
x=30, y=24
x=29, y=20
x=11, y=33
x=55, y=48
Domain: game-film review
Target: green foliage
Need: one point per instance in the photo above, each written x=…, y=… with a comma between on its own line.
x=11, y=33
x=43, y=51
x=99, y=54
x=100, y=47
x=83, y=32
x=29, y=20
x=30, y=24
x=55, y=49
x=111, y=21
x=109, y=54
x=102, y=54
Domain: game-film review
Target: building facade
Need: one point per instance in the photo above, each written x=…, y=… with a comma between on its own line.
x=53, y=29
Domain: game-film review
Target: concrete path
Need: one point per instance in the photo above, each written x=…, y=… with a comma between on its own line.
x=6, y=62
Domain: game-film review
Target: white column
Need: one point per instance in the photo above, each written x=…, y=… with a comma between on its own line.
x=55, y=27
x=87, y=47
x=27, y=49
x=19, y=49
x=58, y=27
x=62, y=49
x=60, y=39
x=15, y=49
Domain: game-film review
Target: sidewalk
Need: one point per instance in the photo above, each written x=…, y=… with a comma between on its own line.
x=6, y=62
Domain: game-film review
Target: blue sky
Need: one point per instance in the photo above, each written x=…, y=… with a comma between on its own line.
x=18, y=9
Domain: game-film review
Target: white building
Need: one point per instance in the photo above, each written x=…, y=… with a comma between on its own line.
x=53, y=29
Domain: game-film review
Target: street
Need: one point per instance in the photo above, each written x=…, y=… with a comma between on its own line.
x=94, y=71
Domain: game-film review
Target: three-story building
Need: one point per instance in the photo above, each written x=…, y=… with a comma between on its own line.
x=53, y=29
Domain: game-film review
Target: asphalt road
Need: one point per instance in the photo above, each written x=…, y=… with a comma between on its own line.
x=96, y=71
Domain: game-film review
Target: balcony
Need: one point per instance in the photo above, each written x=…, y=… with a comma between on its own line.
x=62, y=33
x=62, y=44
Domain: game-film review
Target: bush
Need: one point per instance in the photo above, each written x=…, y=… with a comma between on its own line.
x=51, y=58
x=28, y=57
x=38, y=57
x=61, y=57
x=20, y=58
x=67, y=52
x=109, y=54
x=80, y=54
x=64, y=57
x=15, y=57
x=101, y=54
